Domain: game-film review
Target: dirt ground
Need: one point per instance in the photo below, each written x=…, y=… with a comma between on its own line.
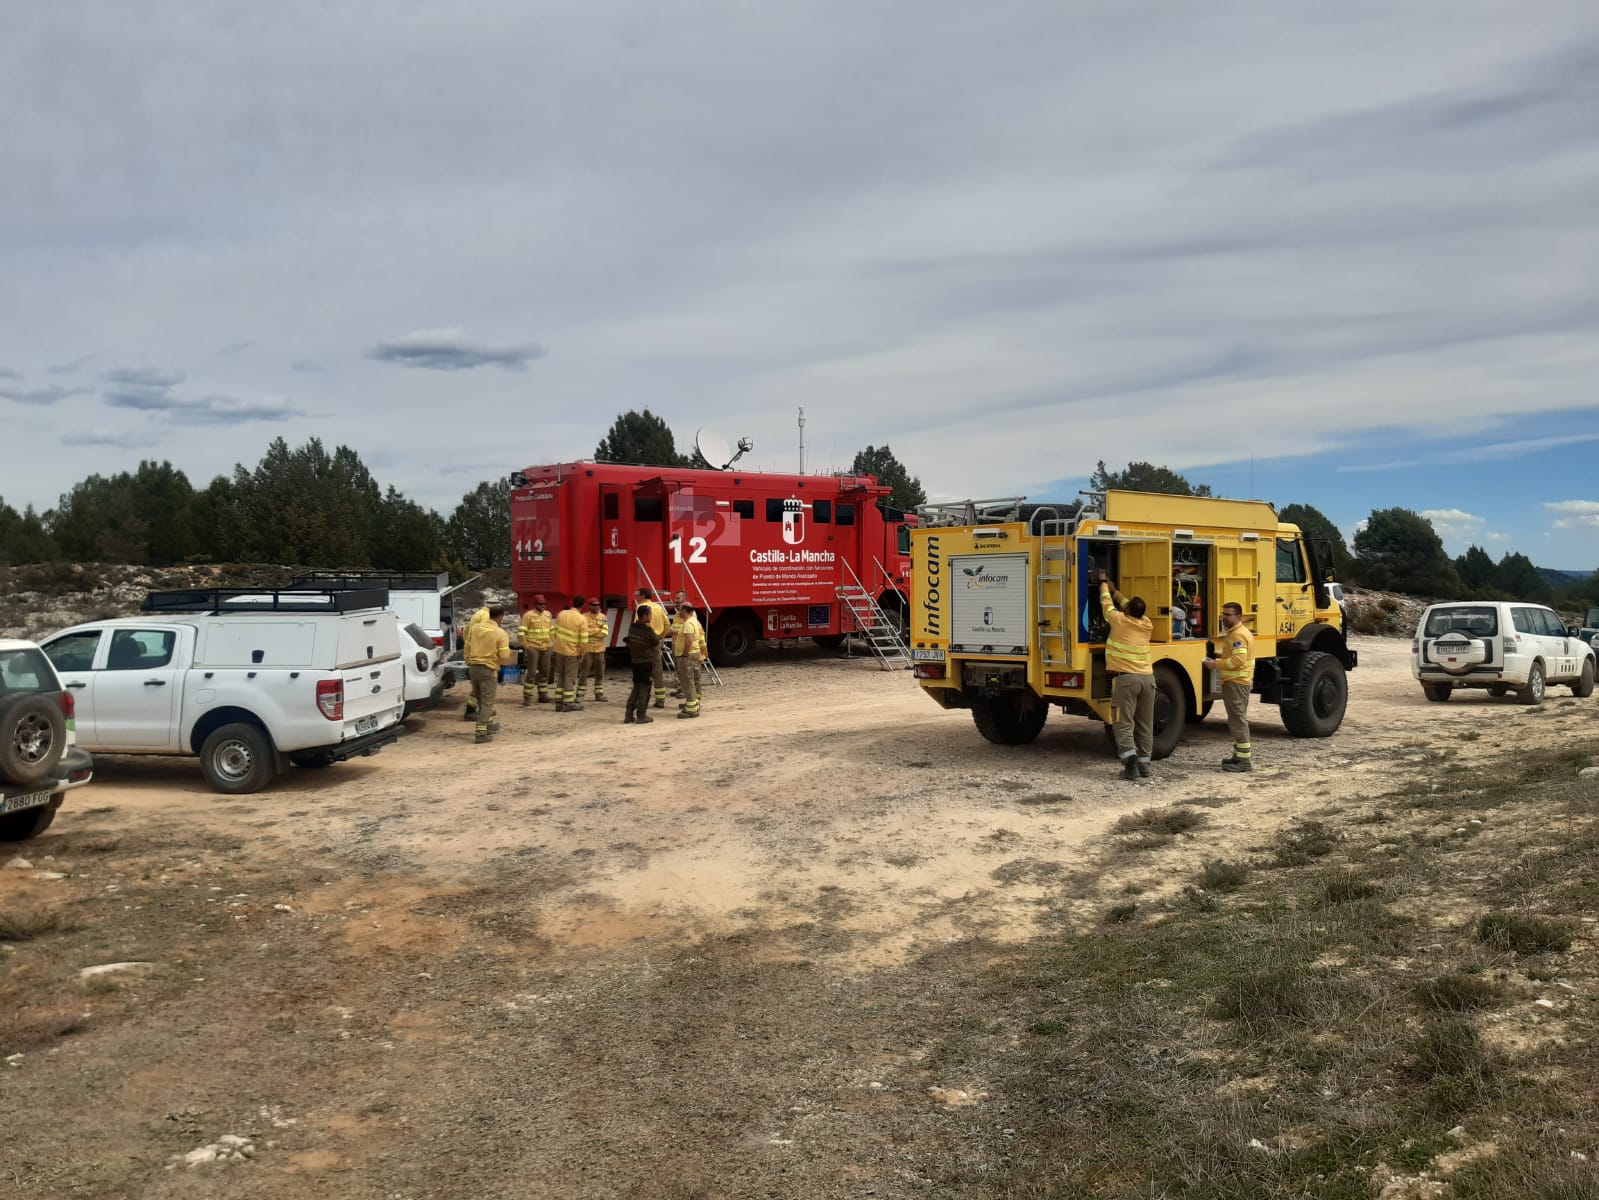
x=690, y=959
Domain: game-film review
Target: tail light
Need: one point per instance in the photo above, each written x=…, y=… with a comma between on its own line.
x=330, y=698
x=1064, y=679
x=438, y=640
x=68, y=705
x=929, y=670
x=422, y=663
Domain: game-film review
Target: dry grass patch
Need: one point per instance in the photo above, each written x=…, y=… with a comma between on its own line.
x=1521, y=935
x=1222, y=876
x=26, y=924
x=1164, y=821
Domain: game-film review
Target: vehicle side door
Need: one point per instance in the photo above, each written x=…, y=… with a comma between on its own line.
x=1296, y=605
x=74, y=655
x=1562, y=661
x=137, y=691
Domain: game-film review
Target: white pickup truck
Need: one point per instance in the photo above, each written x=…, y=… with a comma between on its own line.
x=247, y=681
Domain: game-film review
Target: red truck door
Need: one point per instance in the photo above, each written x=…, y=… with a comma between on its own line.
x=616, y=556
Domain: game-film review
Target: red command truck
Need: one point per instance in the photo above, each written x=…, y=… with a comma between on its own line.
x=771, y=556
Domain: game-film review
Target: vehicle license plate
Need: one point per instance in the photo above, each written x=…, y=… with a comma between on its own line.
x=25, y=800
x=927, y=656
x=366, y=724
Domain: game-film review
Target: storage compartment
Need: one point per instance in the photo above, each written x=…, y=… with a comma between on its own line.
x=1190, y=596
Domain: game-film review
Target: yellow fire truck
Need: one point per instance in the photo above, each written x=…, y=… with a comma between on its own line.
x=1005, y=617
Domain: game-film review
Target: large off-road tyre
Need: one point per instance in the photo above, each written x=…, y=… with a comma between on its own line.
x=829, y=641
x=33, y=737
x=1438, y=692
x=732, y=640
x=29, y=823
x=1320, y=699
x=1013, y=719
x=1532, y=691
x=1171, y=714
x=237, y=759
x=312, y=760
x=1584, y=685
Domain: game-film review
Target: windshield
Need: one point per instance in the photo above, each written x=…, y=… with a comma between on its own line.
x=1473, y=620
x=1592, y=619
x=26, y=670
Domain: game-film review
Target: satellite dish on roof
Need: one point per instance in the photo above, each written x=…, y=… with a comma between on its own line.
x=713, y=448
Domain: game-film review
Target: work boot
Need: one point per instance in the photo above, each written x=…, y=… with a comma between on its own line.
x=660, y=704
x=1130, y=768
x=630, y=719
x=560, y=706
x=494, y=726
x=599, y=699
x=574, y=707
x=684, y=715
x=483, y=737
x=1143, y=769
x=468, y=714
x=526, y=700
x=1230, y=760
x=646, y=719
x=545, y=698
x=1238, y=766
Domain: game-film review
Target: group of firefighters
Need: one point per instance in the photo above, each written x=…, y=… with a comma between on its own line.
x=1132, y=673
x=561, y=652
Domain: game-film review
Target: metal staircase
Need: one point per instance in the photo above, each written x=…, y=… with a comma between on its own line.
x=876, y=627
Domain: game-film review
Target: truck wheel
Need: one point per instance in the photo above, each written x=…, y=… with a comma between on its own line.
x=1171, y=711
x=1322, y=696
x=1009, y=720
x=312, y=760
x=1532, y=691
x=1584, y=685
x=1437, y=692
x=33, y=736
x=732, y=641
x=237, y=759
x=30, y=822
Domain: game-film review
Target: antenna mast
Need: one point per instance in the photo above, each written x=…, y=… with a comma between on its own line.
x=802, y=438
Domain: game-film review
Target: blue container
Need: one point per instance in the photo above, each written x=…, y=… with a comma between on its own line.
x=510, y=675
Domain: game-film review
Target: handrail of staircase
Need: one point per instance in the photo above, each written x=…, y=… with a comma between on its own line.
x=855, y=620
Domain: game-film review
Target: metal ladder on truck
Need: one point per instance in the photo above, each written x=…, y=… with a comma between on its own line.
x=876, y=626
x=1057, y=608
x=668, y=664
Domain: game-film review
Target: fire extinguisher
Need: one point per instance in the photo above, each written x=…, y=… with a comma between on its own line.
x=1196, y=616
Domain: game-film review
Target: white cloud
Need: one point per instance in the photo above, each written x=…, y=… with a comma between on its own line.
x=1455, y=526
x=1575, y=514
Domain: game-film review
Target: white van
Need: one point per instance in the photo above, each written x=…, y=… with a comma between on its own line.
x=1501, y=646
x=246, y=681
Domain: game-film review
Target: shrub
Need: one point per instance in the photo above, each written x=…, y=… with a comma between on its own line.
x=1221, y=876
x=1521, y=935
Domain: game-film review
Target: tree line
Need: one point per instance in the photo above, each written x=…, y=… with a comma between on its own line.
x=309, y=507
x=302, y=506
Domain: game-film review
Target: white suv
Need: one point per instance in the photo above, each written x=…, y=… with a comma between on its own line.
x=1500, y=646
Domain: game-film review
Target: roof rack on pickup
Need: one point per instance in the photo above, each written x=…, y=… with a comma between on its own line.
x=239, y=600
x=395, y=581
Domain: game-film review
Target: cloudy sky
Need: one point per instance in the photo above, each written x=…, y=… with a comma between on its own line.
x=1346, y=255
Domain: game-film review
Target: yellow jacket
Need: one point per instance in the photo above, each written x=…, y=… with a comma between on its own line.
x=537, y=629
x=1236, y=655
x=486, y=643
x=688, y=639
x=599, y=631
x=571, y=633
x=658, y=619
x=1127, y=648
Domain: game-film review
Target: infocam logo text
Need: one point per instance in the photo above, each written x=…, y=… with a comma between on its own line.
x=977, y=579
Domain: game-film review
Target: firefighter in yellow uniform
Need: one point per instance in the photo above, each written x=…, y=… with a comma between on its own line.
x=688, y=649
x=1236, y=661
x=537, y=635
x=1133, y=690
x=571, y=641
x=679, y=605
x=469, y=713
x=487, y=650
x=593, y=664
x=659, y=624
